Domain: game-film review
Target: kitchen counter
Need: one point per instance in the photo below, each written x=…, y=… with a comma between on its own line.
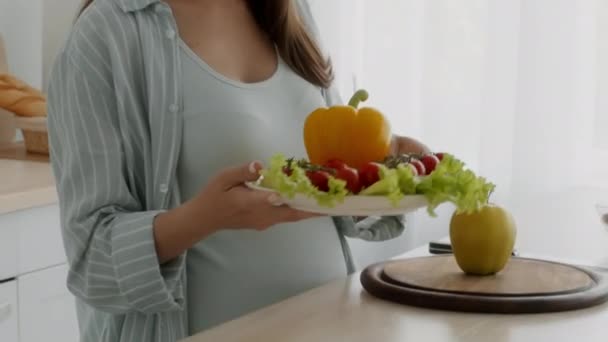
x=26, y=180
x=563, y=226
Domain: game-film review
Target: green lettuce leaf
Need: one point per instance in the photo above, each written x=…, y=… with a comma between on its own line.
x=407, y=180
x=452, y=182
x=274, y=178
x=388, y=186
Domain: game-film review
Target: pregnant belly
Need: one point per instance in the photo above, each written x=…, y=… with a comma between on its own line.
x=235, y=272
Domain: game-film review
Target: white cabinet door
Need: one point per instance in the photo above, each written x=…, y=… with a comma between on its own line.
x=8, y=312
x=46, y=308
x=40, y=243
x=8, y=248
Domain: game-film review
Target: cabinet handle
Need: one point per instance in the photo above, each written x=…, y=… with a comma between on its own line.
x=5, y=311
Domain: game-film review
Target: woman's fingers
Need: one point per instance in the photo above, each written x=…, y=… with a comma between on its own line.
x=276, y=215
x=275, y=200
x=287, y=214
x=266, y=209
x=250, y=198
x=234, y=176
x=402, y=144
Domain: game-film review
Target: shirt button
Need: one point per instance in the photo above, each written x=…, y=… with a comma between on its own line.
x=163, y=188
x=170, y=33
x=173, y=108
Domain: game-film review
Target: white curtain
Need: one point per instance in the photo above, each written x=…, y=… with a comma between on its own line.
x=516, y=88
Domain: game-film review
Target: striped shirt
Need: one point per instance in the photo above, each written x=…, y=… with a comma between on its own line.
x=115, y=130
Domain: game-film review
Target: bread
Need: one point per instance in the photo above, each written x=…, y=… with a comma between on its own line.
x=18, y=97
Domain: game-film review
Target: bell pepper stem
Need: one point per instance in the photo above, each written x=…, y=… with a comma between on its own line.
x=359, y=96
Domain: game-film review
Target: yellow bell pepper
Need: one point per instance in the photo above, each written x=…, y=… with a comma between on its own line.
x=355, y=136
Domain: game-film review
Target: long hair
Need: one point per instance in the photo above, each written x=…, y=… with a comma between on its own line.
x=280, y=21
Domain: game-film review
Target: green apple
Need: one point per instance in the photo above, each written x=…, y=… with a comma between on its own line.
x=482, y=241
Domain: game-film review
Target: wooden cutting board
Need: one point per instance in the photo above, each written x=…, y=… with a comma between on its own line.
x=523, y=286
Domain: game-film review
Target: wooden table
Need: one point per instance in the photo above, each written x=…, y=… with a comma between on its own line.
x=561, y=226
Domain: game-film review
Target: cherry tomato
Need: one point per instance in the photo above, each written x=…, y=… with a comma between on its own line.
x=430, y=163
x=369, y=174
x=419, y=166
x=413, y=168
x=351, y=176
x=320, y=179
x=335, y=164
x=439, y=155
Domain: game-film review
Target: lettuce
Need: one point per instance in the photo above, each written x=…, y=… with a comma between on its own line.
x=407, y=180
x=388, y=186
x=274, y=178
x=452, y=182
x=449, y=182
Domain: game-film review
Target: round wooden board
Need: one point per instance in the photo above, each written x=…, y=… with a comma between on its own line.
x=523, y=286
x=525, y=277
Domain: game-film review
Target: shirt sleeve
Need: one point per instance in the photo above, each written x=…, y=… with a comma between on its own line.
x=372, y=228
x=107, y=233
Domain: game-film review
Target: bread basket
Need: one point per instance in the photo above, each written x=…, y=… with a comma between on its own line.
x=35, y=134
x=7, y=128
x=28, y=116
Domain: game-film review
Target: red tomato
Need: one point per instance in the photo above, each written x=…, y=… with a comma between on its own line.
x=335, y=164
x=320, y=179
x=369, y=174
x=439, y=155
x=419, y=166
x=351, y=176
x=430, y=163
x=413, y=168
x=287, y=170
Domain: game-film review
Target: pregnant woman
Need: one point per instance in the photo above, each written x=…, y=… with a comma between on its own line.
x=157, y=112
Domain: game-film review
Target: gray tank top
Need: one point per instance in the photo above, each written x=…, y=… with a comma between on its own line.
x=228, y=123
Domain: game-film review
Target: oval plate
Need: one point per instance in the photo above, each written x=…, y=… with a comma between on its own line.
x=354, y=205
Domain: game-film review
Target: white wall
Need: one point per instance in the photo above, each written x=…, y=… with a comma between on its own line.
x=335, y=20
x=33, y=30
x=21, y=27
x=356, y=33
x=57, y=19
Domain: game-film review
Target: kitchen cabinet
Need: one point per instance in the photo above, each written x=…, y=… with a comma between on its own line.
x=35, y=304
x=46, y=307
x=8, y=311
x=8, y=249
x=40, y=243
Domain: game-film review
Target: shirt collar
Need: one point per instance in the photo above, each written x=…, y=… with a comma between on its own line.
x=135, y=5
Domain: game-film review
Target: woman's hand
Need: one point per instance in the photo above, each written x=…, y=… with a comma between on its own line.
x=224, y=203
x=406, y=145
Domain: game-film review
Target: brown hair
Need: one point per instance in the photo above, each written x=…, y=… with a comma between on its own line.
x=280, y=20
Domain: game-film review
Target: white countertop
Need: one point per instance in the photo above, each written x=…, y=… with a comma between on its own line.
x=561, y=226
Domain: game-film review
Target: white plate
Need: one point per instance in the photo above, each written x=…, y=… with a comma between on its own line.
x=353, y=205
